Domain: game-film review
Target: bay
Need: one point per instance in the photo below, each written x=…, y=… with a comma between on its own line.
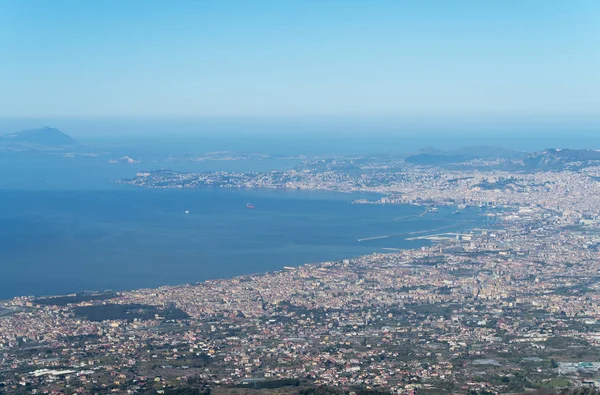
x=62, y=241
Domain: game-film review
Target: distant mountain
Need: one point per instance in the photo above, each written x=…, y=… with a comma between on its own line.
x=127, y=160
x=549, y=159
x=558, y=158
x=431, y=151
x=433, y=157
x=42, y=136
x=435, y=160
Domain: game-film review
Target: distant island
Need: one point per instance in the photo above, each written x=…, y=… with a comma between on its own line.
x=128, y=160
x=41, y=136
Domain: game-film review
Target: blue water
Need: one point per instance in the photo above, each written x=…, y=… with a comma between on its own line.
x=57, y=241
x=41, y=171
x=66, y=226
x=325, y=135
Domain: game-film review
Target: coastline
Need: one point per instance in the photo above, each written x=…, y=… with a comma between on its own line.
x=372, y=249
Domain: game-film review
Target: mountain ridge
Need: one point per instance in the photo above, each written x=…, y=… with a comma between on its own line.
x=43, y=136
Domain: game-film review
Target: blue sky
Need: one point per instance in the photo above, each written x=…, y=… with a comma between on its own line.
x=224, y=58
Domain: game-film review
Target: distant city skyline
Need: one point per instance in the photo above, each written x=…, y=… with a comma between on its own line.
x=299, y=58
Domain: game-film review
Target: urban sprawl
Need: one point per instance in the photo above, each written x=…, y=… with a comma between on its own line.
x=508, y=307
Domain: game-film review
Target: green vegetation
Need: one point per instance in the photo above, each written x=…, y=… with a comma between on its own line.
x=78, y=298
x=128, y=312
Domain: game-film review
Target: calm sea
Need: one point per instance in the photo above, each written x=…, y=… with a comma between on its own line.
x=54, y=242
x=65, y=226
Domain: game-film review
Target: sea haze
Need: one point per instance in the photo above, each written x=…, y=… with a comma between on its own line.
x=54, y=242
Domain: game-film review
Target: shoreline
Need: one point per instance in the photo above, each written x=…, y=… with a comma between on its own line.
x=456, y=222
x=119, y=293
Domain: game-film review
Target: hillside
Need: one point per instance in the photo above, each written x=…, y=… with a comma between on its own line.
x=433, y=157
x=557, y=159
x=42, y=136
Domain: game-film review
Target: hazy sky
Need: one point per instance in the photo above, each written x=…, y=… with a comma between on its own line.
x=307, y=57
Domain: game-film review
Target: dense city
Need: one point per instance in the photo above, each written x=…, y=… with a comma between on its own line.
x=299, y=197
x=508, y=307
